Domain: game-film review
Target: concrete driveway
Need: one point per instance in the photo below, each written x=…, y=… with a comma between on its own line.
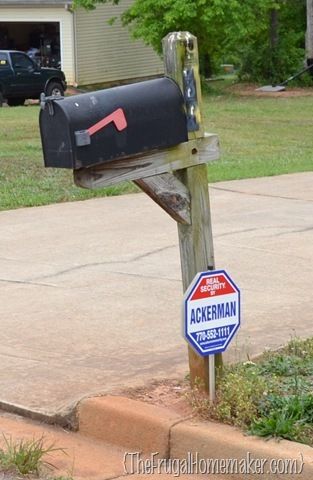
x=90, y=292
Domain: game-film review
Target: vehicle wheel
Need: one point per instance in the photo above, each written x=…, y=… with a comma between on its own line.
x=54, y=89
x=16, y=102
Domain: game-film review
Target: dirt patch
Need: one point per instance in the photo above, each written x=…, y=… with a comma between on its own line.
x=8, y=476
x=171, y=394
x=250, y=90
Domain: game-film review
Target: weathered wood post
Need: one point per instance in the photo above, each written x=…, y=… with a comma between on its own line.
x=181, y=63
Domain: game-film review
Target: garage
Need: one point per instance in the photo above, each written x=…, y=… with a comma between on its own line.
x=43, y=28
x=82, y=43
x=41, y=40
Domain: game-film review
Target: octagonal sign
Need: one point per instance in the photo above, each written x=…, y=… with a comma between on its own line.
x=211, y=312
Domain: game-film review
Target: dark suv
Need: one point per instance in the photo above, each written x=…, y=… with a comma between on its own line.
x=21, y=78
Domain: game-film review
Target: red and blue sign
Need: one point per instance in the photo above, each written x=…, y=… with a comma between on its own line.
x=211, y=312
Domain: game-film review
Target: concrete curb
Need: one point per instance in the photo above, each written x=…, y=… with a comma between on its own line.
x=65, y=418
x=130, y=424
x=221, y=449
x=223, y=443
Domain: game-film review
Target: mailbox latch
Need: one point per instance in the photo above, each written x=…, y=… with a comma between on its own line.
x=49, y=101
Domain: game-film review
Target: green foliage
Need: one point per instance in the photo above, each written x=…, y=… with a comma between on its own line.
x=286, y=417
x=286, y=365
x=265, y=38
x=273, y=53
x=237, y=401
x=24, y=456
x=301, y=348
x=271, y=398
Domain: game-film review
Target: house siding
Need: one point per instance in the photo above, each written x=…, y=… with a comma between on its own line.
x=107, y=53
x=48, y=14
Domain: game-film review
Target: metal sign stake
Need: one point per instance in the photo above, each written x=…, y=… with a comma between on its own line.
x=212, y=378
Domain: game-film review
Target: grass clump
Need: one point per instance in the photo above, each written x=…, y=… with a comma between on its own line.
x=270, y=398
x=287, y=417
x=26, y=457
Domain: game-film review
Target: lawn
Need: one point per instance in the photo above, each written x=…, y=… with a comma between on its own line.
x=259, y=137
x=24, y=181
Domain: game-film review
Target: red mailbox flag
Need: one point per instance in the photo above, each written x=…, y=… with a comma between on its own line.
x=117, y=117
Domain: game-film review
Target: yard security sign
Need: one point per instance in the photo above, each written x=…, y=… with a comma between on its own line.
x=211, y=312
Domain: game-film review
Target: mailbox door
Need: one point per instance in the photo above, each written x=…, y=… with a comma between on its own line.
x=102, y=126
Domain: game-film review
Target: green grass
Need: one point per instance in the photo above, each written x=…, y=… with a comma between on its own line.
x=270, y=398
x=259, y=137
x=27, y=457
x=24, y=182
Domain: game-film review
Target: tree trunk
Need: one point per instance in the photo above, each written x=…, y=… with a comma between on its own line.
x=309, y=31
x=274, y=29
x=273, y=63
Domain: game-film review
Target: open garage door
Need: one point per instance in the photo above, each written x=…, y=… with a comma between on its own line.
x=41, y=40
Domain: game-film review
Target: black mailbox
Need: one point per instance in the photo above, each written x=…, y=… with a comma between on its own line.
x=99, y=127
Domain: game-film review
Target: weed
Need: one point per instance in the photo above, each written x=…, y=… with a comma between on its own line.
x=272, y=398
x=288, y=417
x=238, y=392
x=198, y=399
x=286, y=365
x=301, y=348
x=237, y=401
x=278, y=424
x=25, y=456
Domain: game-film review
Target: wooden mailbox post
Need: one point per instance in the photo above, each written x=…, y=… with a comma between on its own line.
x=176, y=177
